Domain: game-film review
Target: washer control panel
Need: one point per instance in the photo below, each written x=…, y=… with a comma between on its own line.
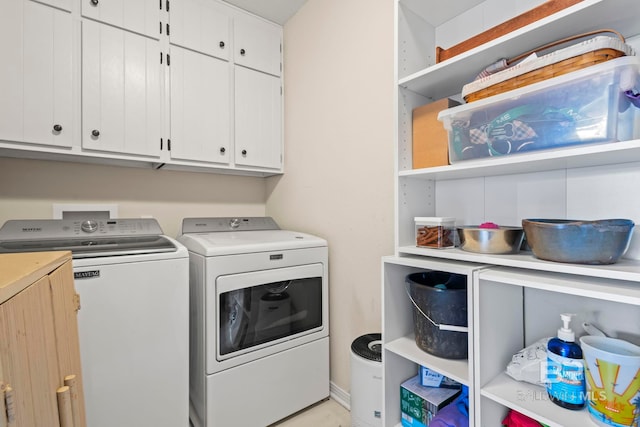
x=89, y=226
x=63, y=228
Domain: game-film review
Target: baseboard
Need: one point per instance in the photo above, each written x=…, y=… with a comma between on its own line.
x=339, y=395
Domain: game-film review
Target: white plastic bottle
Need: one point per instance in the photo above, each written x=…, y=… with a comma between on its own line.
x=565, y=368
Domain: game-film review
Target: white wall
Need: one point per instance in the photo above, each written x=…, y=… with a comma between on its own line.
x=338, y=57
x=480, y=18
x=29, y=188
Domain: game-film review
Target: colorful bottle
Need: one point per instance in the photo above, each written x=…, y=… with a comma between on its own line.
x=565, y=368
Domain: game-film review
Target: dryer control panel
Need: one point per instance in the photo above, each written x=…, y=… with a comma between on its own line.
x=221, y=224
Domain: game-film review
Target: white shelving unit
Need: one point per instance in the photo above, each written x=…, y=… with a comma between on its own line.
x=402, y=357
x=513, y=300
x=515, y=308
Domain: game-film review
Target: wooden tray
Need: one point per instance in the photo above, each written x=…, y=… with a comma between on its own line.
x=562, y=61
x=545, y=9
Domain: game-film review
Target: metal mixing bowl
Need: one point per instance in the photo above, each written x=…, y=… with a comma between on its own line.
x=502, y=240
x=581, y=242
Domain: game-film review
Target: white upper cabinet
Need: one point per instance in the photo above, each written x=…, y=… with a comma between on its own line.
x=184, y=84
x=257, y=44
x=258, y=119
x=200, y=25
x=35, y=75
x=140, y=16
x=200, y=105
x=121, y=91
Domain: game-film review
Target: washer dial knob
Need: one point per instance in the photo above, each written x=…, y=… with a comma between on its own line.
x=234, y=223
x=89, y=226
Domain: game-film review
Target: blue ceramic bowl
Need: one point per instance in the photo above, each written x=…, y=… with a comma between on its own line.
x=580, y=242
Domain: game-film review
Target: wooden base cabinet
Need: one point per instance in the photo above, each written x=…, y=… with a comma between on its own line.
x=40, y=377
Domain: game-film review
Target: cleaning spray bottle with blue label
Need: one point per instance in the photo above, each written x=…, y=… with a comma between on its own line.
x=565, y=368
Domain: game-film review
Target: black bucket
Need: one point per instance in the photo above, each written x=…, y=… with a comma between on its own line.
x=440, y=313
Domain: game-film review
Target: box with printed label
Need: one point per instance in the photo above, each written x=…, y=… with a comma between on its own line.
x=431, y=378
x=420, y=404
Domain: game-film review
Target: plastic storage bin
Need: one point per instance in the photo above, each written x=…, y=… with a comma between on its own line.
x=585, y=106
x=435, y=232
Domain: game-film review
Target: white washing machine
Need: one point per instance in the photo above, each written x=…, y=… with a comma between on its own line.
x=134, y=317
x=259, y=340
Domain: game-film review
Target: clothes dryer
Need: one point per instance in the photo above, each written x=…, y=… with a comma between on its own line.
x=259, y=336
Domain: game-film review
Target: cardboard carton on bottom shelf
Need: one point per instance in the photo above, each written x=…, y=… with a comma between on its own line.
x=420, y=404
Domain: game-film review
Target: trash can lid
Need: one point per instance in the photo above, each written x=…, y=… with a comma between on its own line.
x=368, y=346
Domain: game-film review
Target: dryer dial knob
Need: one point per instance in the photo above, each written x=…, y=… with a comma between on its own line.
x=234, y=223
x=89, y=226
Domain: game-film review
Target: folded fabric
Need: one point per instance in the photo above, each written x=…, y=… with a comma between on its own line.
x=456, y=414
x=516, y=419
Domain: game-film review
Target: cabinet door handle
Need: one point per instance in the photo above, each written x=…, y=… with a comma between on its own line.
x=3, y=407
x=222, y=150
x=221, y=45
x=242, y=52
x=10, y=404
x=94, y=2
x=244, y=152
x=64, y=406
x=57, y=128
x=95, y=133
x=71, y=382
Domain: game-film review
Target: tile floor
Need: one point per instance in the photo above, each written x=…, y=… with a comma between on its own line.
x=327, y=413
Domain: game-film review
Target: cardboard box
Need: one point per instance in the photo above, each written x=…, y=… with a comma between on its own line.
x=430, y=138
x=430, y=378
x=420, y=404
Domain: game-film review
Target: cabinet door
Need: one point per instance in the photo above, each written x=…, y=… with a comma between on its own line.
x=65, y=304
x=258, y=119
x=140, y=16
x=200, y=25
x=35, y=78
x=257, y=44
x=28, y=355
x=121, y=91
x=200, y=105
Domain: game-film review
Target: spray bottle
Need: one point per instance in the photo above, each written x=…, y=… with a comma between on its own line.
x=565, y=368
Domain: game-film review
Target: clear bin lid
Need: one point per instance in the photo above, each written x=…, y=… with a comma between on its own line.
x=434, y=219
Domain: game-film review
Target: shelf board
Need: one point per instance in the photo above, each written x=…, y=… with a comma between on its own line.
x=539, y=161
x=624, y=269
x=597, y=288
x=446, y=78
x=406, y=347
x=533, y=402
